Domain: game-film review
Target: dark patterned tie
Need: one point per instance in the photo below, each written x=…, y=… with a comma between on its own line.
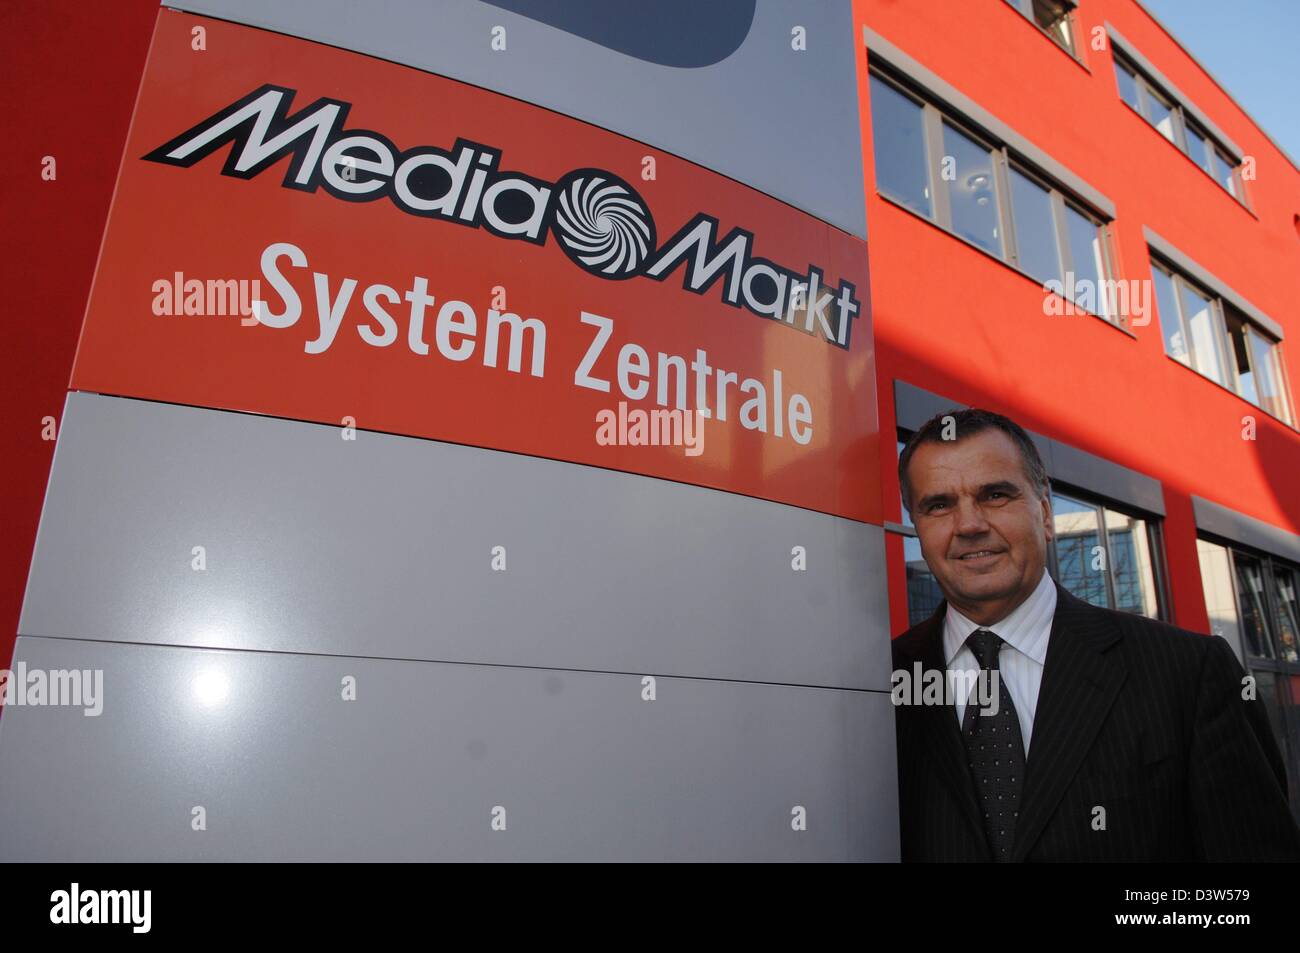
x=994, y=750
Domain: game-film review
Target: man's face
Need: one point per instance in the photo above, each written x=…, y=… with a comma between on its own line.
x=983, y=531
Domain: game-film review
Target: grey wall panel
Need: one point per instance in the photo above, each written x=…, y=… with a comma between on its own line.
x=412, y=769
x=382, y=547
x=1219, y=520
x=782, y=120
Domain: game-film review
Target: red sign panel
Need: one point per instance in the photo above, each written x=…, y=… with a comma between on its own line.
x=315, y=234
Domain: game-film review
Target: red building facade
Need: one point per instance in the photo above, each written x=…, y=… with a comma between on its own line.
x=993, y=143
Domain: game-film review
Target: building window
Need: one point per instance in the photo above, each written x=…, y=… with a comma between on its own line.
x=1160, y=113
x=1286, y=611
x=1202, y=329
x=899, y=133
x=1037, y=247
x=1213, y=337
x=931, y=162
x=1239, y=353
x=1128, y=85
x=1270, y=380
x=1170, y=118
x=1053, y=17
x=972, y=194
x=1197, y=146
x=1087, y=258
x=1253, y=602
x=1104, y=556
x=1170, y=321
x=1225, y=173
x=923, y=592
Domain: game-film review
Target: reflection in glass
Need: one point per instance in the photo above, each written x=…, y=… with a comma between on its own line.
x=923, y=592
x=1085, y=259
x=1220, y=602
x=1224, y=173
x=1167, y=307
x=1031, y=207
x=1078, y=537
x=971, y=190
x=1199, y=316
x=1268, y=376
x=1128, y=87
x=1161, y=115
x=1251, y=606
x=1239, y=354
x=1286, y=614
x=1196, y=148
x=1054, y=18
x=899, y=136
x=1131, y=568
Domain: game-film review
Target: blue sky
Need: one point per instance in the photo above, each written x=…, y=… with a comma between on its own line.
x=1250, y=46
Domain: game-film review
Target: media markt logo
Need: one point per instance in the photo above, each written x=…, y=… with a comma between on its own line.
x=597, y=219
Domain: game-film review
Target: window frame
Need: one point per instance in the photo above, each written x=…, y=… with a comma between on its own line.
x=1207, y=142
x=926, y=144
x=1267, y=565
x=1155, y=544
x=934, y=136
x=1148, y=89
x=1231, y=315
x=1146, y=94
x=1223, y=337
x=934, y=114
x=1026, y=9
x=1122, y=65
x=1279, y=368
x=1108, y=262
x=1053, y=195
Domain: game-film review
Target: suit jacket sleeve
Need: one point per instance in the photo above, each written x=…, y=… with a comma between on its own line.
x=1236, y=775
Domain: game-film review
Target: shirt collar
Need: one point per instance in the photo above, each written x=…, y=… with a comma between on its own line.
x=1026, y=629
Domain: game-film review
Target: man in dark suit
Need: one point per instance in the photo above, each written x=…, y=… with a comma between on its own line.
x=1095, y=735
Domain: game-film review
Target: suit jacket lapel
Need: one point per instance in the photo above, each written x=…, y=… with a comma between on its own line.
x=942, y=735
x=1080, y=682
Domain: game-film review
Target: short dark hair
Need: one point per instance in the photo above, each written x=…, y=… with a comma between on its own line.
x=967, y=423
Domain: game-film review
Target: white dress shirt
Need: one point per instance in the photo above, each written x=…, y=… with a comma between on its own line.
x=1024, y=633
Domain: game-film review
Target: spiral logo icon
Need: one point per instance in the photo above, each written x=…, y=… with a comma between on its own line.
x=602, y=224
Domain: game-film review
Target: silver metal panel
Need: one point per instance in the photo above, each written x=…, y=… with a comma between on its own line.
x=782, y=120
x=382, y=547
x=284, y=769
